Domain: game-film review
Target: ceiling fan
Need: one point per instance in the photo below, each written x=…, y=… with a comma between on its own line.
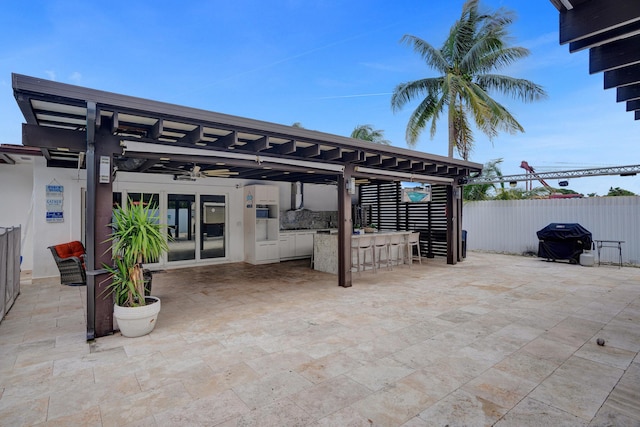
x=197, y=172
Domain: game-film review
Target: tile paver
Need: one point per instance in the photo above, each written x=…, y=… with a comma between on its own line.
x=496, y=339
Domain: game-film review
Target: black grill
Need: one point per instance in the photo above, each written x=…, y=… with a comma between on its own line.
x=563, y=242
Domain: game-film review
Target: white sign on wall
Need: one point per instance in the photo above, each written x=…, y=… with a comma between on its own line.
x=55, y=199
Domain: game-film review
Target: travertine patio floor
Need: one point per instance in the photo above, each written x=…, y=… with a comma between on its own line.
x=495, y=340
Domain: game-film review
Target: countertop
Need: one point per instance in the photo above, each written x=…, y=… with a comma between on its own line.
x=312, y=230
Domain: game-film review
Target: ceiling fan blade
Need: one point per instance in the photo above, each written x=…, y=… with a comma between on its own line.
x=219, y=172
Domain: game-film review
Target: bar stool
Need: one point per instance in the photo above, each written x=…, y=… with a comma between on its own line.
x=397, y=243
x=413, y=241
x=362, y=244
x=381, y=245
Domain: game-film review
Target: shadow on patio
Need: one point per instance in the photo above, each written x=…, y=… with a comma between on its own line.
x=496, y=339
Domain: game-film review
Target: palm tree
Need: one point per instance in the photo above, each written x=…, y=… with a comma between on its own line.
x=476, y=47
x=491, y=170
x=367, y=133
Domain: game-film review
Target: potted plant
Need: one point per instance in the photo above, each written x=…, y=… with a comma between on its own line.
x=137, y=237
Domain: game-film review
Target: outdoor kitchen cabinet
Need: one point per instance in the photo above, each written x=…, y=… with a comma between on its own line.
x=266, y=194
x=261, y=224
x=296, y=244
x=304, y=244
x=287, y=246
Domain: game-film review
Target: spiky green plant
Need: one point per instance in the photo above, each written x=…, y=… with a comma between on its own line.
x=137, y=237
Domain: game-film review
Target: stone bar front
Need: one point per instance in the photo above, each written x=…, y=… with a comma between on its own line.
x=325, y=249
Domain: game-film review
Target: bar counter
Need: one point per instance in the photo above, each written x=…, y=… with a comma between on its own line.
x=325, y=249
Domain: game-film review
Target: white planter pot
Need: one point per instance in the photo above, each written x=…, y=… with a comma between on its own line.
x=137, y=321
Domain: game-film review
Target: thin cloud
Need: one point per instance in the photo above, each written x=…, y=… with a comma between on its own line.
x=379, y=66
x=360, y=95
x=298, y=55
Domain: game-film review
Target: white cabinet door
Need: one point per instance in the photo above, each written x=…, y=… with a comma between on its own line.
x=266, y=194
x=287, y=246
x=304, y=244
x=267, y=251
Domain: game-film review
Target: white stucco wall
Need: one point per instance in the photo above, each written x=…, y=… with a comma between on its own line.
x=23, y=189
x=317, y=197
x=16, y=184
x=321, y=197
x=47, y=234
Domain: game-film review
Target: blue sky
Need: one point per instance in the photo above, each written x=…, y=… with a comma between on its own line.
x=330, y=65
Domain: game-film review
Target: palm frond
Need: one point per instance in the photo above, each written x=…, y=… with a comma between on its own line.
x=368, y=133
x=524, y=90
x=404, y=93
x=432, y=56
x=427, y=109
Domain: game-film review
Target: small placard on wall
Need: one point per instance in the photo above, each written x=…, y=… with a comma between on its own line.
x=55, y=201
x=105, y=169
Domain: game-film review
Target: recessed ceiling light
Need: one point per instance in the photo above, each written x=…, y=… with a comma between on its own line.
x=165, y=159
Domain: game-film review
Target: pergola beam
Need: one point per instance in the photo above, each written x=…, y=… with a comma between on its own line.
x=287, y=147
x=633, y=105
x=628, y=93
x=622, y=76
x=595, y=17
x=53, y=138
x=614, y=55
x=193, y=137
x=5, y=158
x=609, y=36
x=260, y=144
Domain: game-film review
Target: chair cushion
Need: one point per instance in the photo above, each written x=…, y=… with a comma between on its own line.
x=66, y=250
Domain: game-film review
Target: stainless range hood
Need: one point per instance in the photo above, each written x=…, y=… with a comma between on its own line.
x=297, y=198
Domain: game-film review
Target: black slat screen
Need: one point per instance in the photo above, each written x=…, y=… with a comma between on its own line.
x=380, y=204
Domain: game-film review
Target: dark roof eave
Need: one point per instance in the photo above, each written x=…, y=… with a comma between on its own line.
x=76, y=94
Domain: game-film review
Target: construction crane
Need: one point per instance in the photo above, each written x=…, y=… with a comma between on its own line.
x=531, y=175
x=524, y=165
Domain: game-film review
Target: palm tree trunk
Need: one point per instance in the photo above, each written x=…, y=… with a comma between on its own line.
x=452, y=131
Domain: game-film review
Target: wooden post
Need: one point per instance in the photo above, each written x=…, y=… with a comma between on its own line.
x=100, y=144
x=345, y=228
x=452, y=225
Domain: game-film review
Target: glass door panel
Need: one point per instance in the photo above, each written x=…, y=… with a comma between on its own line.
x=181, y=223
x=213, y=218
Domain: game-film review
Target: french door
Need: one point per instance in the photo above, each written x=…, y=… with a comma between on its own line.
x=197, y=225
x=181, y=226
x=213, y=225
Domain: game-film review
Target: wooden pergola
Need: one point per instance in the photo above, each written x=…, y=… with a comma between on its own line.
x=610, y=29
x=80, y=127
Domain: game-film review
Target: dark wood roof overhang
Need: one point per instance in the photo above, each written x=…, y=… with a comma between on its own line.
x=12, y=154
x=157, y=137
x=610, y=29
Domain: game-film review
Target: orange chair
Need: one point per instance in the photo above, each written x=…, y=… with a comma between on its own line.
x=70, y=259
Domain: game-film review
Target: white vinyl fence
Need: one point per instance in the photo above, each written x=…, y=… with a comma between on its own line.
x=9, y=267
x=510, y=226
